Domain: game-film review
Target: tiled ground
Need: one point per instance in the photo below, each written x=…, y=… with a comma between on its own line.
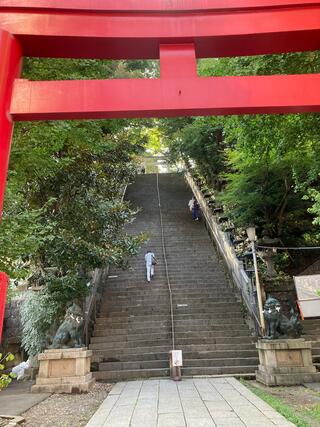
x=198, y=402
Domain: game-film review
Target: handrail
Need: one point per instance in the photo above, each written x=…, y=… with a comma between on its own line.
x=99, y=275
x=166, y=265
x=226, y=249
x=90, y=314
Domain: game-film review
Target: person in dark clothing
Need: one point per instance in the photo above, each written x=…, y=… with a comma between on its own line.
x=195, y=211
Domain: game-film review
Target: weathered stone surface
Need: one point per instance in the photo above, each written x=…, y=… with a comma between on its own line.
x=64, y=371
x=285, y=362
x=198, y=402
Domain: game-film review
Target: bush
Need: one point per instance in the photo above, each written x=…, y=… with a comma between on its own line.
x=38, y=312
x=5, y=378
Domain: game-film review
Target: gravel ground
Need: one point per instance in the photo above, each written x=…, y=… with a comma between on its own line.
x=67, y=410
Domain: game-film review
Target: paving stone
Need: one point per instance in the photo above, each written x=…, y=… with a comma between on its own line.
x=221, y=415
x=194, y=407
x=100, y=417
x=171, y=420
x=200, y=422
x=118, y=388
x=222, y=406
x=145, y=413
x=119, y=416
x=226, y=422
x=285, y=424
x=191, y=403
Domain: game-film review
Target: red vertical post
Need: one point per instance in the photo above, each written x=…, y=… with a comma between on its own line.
x=4, y=280
x=10, y=60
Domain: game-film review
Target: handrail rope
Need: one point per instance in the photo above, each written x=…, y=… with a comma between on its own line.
x=166, y=264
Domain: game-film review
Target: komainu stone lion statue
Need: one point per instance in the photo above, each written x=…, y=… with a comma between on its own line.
x=69, y=333
x=279, y=326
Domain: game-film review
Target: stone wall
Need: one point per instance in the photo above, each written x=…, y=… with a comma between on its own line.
x=12, y=330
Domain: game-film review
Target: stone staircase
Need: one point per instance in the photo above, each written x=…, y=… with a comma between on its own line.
x=311, y=332
x=132, y=336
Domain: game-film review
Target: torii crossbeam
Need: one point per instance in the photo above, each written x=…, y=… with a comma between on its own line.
x=175, y=31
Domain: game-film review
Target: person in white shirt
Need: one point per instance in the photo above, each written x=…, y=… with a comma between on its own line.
x=150, y=263
x=191, y=203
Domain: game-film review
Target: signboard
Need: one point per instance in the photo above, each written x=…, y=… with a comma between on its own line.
x=176, y=357
x=307, y=288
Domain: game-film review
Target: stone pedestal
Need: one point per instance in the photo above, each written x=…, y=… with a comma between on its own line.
x=64, y=371
x=285, y=362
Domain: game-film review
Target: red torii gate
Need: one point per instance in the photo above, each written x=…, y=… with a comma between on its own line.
x=174, y=31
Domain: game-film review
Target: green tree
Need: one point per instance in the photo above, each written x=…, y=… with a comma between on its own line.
x=64, y=214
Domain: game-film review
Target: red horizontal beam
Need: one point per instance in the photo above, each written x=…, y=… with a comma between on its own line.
x=127, y=36
x=165, y=97
x=151, y=5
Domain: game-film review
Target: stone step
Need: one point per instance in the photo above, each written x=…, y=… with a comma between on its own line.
x=233, y=361
x=151, y=289
x=132, y=335
x=219, y=370
x=187, y=355
x=200, y=317
x=180, y=331
x=154, y=286
x=124, y=375
x=101, y=345
x=163, y=299
x=157, y=326
x=118, y=352
x=140, y=364
x=160, y=305
x=187, y=363
x=179, y=309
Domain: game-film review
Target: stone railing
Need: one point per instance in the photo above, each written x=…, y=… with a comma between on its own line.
x=226, y=250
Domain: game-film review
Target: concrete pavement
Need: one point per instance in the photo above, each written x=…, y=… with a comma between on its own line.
x=195, y=402
x=17, y=398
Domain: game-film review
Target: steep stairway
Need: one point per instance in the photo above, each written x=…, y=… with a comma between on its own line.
x=311, y=332
x=132, y=336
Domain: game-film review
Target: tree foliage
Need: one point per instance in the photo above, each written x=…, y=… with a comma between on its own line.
x=264, y=167
x=64, y=215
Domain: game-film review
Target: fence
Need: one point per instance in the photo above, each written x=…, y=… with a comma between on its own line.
x=226, y=250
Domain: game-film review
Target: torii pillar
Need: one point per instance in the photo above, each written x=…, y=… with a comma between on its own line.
x=10, y=65
x=10, y=61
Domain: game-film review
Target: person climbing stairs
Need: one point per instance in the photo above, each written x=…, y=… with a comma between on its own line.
x=133, y=333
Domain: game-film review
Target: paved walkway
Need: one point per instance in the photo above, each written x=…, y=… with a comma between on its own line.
x=201, y=402
x=17, y=398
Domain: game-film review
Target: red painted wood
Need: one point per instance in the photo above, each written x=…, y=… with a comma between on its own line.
x=152, y=5
x=10, y=59
x=138, y=36
x=165, y=97
x=178, y=61
x=4, y=280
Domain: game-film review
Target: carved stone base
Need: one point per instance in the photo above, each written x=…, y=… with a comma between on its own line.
x=64, y=371
x=285, y=362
